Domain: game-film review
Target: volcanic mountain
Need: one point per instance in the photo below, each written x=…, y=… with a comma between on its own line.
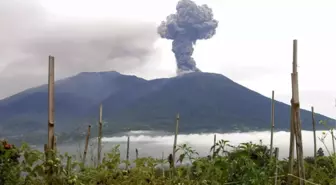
x=206, y=102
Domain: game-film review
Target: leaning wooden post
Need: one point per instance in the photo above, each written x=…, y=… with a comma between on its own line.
x=296, y=116
x=314, y=134
x=276, y=166
x=100, y=125
x=86, y=143
x=272, y=124
x=214, y=146
x=127, y=151
x=51, y=111
x=291, y=148
x=175, y=139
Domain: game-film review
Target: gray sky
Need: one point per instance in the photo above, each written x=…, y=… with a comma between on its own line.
x=253, y=44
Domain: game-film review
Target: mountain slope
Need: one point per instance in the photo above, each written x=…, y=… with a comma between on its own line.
x=30, y=113
x=74, y=97
x=205, y=101
x=91, y=85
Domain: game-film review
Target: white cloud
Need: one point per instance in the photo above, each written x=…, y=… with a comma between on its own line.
x=153, y=144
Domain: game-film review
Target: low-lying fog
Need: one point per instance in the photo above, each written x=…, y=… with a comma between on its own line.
x=152, y=143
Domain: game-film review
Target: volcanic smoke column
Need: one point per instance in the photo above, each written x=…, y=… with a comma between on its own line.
x=189, y=24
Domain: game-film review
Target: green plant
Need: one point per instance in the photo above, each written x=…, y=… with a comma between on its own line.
x=247, y=164
x=9, y=163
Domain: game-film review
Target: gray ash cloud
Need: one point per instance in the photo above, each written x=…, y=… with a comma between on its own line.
x=29, y=34
x=190, y=23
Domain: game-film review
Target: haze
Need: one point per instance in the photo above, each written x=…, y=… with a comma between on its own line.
x=253, y=44
x=150, y=143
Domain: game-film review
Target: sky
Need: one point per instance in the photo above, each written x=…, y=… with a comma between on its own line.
x=252, y=46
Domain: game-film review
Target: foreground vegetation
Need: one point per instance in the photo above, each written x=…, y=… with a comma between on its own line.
x=248, y=164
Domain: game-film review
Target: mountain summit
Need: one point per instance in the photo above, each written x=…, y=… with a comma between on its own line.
x=207, y=102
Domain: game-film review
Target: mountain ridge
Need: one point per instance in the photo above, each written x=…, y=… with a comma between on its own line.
x=206, y=102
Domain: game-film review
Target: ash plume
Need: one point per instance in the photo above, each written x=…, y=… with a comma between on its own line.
x=190, y=23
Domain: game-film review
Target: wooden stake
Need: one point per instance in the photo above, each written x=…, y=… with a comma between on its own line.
x=46, y=150
x=100, y=125
x=214, y=146
x=296, y=116
x=314, y=134
x=51, y=121
x=55, y=143
x=276, y=166
x=86, y=143
x=136, y=153
x=127, y=151
x=175, y=138
x=272, y=124
x=291, y=148
x=162, y=166
x=333, y=139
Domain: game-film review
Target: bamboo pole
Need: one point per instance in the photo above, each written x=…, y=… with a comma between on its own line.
x=332, y=139
x=127, y=151
x=276, y=166
x=136, y=153
x=162, y=165
x=214, y=146
x=100, y=125
x=175, y=139
x=296, y=116
x=55, y=143
x=86, y=143
x=46, y=150
x=314, y=134
x=272, y=124
x=51, y=121
x=291, y=148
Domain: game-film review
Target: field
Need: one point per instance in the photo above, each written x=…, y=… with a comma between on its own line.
x=248, y=163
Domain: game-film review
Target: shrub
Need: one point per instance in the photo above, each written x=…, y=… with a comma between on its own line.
x=9, y=162
x=248, y=164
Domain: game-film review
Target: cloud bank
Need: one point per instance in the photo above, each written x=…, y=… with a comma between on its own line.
x=29, y=35
x=154, y=144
